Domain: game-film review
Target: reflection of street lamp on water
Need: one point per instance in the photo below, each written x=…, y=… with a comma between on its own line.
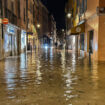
x=38, y=29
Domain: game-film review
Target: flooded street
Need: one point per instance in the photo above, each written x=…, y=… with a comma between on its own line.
x=51, y=77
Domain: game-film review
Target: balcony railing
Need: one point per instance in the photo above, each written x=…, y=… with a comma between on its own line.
x=11, y=16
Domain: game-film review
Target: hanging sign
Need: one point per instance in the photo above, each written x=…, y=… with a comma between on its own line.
x=5, y=21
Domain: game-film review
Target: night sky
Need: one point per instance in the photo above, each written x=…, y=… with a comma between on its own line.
x=57, y=8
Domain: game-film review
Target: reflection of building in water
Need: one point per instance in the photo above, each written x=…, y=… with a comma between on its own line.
x=23, y=65
x=63, y=60
x=23, y=61
x=73, y=62
x=69, y=85
x=38, y=72
x=51, y=54
x=10, y=74
x=95, y=77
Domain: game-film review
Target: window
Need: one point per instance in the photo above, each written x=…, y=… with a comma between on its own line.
x=31, y=7
x=24, y=15
x=18, y=8
x=85, y=5
x=78, y=3
x=0, y=8
x=82, y=6
x=5, y=6
x=12, y=6
x=5, y=3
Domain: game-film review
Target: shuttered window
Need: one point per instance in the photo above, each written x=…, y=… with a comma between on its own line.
x=0, y=8
x=85, y=4
x=78, y=3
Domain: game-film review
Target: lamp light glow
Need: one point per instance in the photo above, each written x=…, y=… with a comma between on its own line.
x=38, y=25
x=69, y=15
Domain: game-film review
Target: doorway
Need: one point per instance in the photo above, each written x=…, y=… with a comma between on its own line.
x=91, y=35
x=13, y=45
x=82, y=42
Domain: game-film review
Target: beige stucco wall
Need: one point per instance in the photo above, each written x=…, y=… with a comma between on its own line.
x=96, y=23
x=101, y=38
x=22, y=7
x=92, y=23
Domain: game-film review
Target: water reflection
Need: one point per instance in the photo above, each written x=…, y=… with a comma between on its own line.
x=10, y=74
x=38, y=72
x=63, y=60
x=51, y=77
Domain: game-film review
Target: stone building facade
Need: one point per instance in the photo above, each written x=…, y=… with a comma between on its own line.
x=27, y=23
x=88, y=19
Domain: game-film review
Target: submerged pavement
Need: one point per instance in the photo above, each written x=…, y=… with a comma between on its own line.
x=51, y=77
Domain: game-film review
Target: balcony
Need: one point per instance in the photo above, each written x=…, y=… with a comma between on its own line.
x=11, y=16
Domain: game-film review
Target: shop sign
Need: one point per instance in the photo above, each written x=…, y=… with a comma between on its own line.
x=5, y=21
x=11, y=30
x=0, y=21
x=78, y=29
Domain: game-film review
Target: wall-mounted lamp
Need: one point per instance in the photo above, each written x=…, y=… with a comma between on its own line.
x=69, y=15
x=38, y=25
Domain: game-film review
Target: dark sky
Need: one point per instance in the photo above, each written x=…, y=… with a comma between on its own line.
x=57, y=8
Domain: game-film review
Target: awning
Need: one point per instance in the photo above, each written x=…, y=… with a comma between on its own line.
x=78, y=29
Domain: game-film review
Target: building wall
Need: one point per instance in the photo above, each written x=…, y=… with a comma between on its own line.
x=12, y=31
x=23, y=14
x=93, y=22
x=96, y=23
x=101, y=37
x=45, y=14
x=30, y=14
x=1, y=30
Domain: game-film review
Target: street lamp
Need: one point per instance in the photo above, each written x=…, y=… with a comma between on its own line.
x=38, y=26
x=69, y=15
x=63, y=30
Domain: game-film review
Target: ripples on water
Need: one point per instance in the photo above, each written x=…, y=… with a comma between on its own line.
x=51, y=77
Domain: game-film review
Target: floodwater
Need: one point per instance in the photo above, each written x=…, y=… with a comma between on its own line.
x=51, y=77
